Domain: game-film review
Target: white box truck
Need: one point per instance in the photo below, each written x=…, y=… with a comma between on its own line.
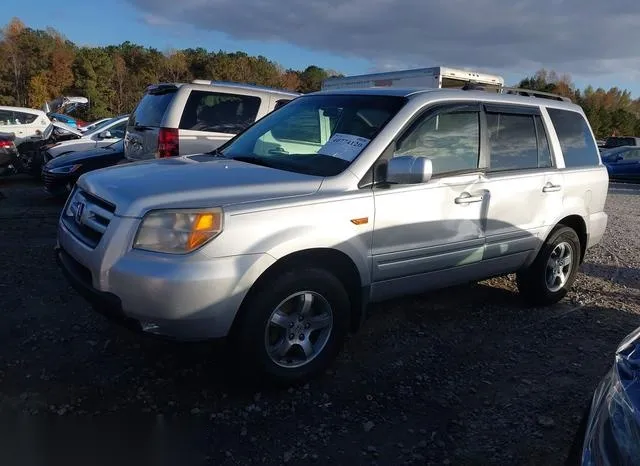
x=434, y=77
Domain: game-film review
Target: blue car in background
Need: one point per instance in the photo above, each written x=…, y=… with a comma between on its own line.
x=66, y=119
x=623, y=163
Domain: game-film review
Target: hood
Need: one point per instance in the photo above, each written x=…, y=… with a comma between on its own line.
x=81, y=156
x=60, y=103
x=66, y=127
x=191, y=182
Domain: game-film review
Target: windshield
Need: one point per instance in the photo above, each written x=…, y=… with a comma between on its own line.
x=97, y=124
x=98, y=127
x=317, y=134
x=151, y=108
x=117, y=146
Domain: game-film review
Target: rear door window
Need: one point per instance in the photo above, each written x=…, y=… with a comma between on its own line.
x=151, y=109
x=578, y=147
x=512, y=141
x=219, y=112
x=25, y=118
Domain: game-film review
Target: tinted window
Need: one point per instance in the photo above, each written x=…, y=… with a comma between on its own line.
x=117, y=131
x=544, y=152
x=512, y=142
x=9, y=117
x=151, y=108
x=612, y=142
x=450, y=140
x=25, y=118
x=281, y=103
x=631, y=155
x=577, y=144
x=303, y=127
x=6, y=117
x=219, y=112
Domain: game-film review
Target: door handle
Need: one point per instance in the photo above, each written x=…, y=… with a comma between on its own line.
x=551, y=188
x=466, y=198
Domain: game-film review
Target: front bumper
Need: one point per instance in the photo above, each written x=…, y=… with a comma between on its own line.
x=106, y=304
x=57, y=184
x=190, y=298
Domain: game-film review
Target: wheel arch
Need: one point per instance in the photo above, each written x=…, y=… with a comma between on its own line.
x=332, y=260
x=578, y=224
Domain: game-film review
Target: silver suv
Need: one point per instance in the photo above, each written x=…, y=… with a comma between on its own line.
x=281, y=238
x=179, y=119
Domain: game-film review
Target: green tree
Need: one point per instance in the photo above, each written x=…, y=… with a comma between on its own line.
x=93, y=69
x=311, y=79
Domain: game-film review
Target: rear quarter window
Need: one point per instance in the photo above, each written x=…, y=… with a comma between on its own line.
x=219, y=112
x=151, y=109
x=577, y=144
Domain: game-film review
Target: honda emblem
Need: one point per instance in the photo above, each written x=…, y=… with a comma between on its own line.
x=79, y=211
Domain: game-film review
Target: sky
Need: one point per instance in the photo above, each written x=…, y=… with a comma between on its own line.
x=592, y=40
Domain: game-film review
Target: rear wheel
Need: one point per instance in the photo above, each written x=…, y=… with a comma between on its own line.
x=552, y=273
x=293, y=327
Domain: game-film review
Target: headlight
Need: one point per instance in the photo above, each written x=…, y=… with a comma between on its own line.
x=178, y=231
x=66, y=169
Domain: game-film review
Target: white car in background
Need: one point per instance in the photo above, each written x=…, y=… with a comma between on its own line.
x=102, y=135
x=24, y=123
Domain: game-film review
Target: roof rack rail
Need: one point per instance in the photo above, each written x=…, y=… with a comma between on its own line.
x=532, y=93
x=473, y=86
x=211, y=82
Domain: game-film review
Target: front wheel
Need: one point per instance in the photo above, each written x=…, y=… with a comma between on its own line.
x=293, y=326
x=552, y=273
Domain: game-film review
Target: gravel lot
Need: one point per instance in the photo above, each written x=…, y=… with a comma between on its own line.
x=462, y=376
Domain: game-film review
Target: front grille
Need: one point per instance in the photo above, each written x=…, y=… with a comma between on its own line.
x=49, y=178
x=87, y=216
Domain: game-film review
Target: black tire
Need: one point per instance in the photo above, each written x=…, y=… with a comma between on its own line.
x=248, y=336
x=532, y=282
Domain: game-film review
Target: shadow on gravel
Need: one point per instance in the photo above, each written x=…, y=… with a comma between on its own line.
x=627, y=276
x=485, y=384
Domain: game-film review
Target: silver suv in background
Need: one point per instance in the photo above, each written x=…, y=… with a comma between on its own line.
x=281, y=238
x=179, y=119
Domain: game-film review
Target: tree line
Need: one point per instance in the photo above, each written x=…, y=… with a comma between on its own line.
x=40, y=65
x=610, y=112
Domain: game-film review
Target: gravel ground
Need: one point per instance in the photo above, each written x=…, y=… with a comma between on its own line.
x=462, y=376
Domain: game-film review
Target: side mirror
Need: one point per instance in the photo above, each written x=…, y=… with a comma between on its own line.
x=104, y=134
x=409, y=169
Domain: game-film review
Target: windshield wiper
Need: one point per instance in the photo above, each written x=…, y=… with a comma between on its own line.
x=216, y=153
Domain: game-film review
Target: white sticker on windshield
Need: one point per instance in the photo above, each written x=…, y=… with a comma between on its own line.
x=344, y=146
